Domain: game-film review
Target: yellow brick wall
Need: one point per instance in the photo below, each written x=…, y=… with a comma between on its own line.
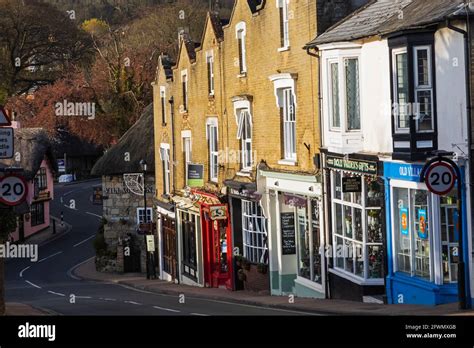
x=263, y=60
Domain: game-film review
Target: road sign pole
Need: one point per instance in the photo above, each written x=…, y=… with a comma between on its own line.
x=461, y=263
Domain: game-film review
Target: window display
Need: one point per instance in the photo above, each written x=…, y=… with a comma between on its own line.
x=358, y=226
x=449, y=237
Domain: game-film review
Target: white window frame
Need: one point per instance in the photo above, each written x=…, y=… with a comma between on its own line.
x=241, y=33
x=210, y=72
x=345, y=106
x=436, y=275
x=429, y=87
x=166, y=168
x=395, y=53
x=281, y=83
x=241, y=135
x=185, y=91
x=140, y=215
x=284, y=5
x=163, y=104
x=251, y=235
x=364, y=242
x=213, y=148
x=331, y=97
x=187, y=150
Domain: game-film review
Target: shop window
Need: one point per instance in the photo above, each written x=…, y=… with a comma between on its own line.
x=254, y=228
x=358, y=227
x=309, y=242
x=412, y=229
x=189, y=245
x=449, y=237
x=37, y=214
x=141, y=215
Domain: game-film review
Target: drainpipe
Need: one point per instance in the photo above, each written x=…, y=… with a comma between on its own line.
x=467, y=59
x=325, y=177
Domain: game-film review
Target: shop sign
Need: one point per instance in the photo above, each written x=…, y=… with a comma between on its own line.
x=251, y=195
x=97, y=195
x=364, y=167
x=195, y=175
x=204, y=198
x=150, y=243
x=288, y=242
x=352, y=184
x=218, y=212
x=295, y=201
x=404, y=221
x=422, y=231
x=403, y=171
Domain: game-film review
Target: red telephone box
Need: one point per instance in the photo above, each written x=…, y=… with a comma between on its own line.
x=217, y=242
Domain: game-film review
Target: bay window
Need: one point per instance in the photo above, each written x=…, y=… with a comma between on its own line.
x=423, y=89
x=254, y=229
x=400, y=87
x=358, y=226
x=343, y=87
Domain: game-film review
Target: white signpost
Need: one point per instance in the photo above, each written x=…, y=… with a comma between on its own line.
x=13, y=190
x=6, y=143
x=150, y=243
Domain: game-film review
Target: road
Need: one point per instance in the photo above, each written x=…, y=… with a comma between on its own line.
x=48, y=283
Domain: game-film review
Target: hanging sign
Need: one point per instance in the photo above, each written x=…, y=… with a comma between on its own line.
x=422, y=230
x=150, y=243
x=404, y=221
x=97, y=196
x=195, y=175
x=218, y=212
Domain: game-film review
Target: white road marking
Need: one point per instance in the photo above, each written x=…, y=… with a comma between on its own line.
x=167, y=309
x=56, y=293
x=23, y=270
x=85, y=297
x=67, y=206
x=85, y=240
x=100, y=217
x=50, y=256
x=201, y=315
x=108, y=299
x=69, y=272
x=134, y=303
x=34, y=285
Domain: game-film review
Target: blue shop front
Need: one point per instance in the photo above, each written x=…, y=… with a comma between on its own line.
x=422, y=239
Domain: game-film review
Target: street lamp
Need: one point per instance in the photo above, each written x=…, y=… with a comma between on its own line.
x=143, y=165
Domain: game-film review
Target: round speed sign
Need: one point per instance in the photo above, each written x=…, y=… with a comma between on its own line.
x=440, y=178
x=13, y=190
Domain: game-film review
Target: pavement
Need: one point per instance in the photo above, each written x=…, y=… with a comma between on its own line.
x=87, y=271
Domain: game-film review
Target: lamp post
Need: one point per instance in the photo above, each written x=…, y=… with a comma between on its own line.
x=143, y=165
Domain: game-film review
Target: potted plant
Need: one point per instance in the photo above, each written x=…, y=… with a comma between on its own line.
x=241, y=275
x=246, y=264
x=262, y=268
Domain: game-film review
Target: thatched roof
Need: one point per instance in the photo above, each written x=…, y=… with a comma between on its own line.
x=33, y=145
x=138, y=141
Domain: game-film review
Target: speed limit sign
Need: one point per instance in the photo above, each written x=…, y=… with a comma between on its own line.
x=440, y=178
x=13, y=190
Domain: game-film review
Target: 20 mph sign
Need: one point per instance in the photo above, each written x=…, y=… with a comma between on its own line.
x=13, y=190
x=440, y=178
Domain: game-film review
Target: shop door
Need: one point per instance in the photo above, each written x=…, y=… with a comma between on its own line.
x=169, y=247
x=218, y=259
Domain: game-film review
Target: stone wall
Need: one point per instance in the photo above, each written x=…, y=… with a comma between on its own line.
x=120, y=211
